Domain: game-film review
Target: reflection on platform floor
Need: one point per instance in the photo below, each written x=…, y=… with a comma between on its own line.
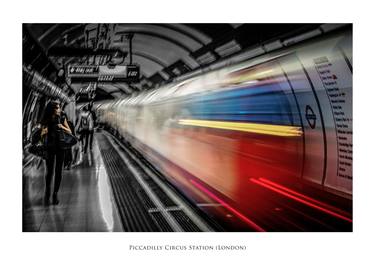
x=86, y=201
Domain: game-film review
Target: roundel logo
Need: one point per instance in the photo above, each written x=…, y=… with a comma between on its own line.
x=310, y=116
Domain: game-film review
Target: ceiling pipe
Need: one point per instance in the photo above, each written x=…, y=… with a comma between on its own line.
x=42, y=85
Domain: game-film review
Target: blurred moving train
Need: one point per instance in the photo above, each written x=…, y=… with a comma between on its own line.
x=239, y=139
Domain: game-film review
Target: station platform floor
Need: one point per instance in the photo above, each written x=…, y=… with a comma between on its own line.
x=109, y=189
x=114, y=188
x=86, y=199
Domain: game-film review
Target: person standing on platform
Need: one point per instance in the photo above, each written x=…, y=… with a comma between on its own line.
x=52, y=122
x=68, y=159
x=86, y=124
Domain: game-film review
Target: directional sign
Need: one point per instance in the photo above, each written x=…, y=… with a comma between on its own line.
x=85, y=70
x=310, y=116
x=103, y=73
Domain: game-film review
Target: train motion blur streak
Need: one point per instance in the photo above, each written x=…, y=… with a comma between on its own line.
x=298, y=197
x=223, y=203
x=260, y=138
x=246, y=127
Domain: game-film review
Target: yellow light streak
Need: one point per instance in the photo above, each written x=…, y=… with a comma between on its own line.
x=279, y=130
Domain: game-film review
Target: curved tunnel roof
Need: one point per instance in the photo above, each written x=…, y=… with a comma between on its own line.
x=163, y=51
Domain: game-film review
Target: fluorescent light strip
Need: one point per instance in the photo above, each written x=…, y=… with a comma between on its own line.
x=279, y=130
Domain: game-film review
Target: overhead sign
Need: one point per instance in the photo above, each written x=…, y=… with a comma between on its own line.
x=103, y=73
x=132, y=71
x=82, y=70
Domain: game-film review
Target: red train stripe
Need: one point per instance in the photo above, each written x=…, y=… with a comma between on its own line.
x=299, y=194
x=300, y=200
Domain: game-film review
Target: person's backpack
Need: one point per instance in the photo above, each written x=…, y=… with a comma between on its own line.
x=87, y=122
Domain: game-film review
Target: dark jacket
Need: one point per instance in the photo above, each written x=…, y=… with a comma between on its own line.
x=53, y=132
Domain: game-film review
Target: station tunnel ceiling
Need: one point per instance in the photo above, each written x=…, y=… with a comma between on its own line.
x=162, y=51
